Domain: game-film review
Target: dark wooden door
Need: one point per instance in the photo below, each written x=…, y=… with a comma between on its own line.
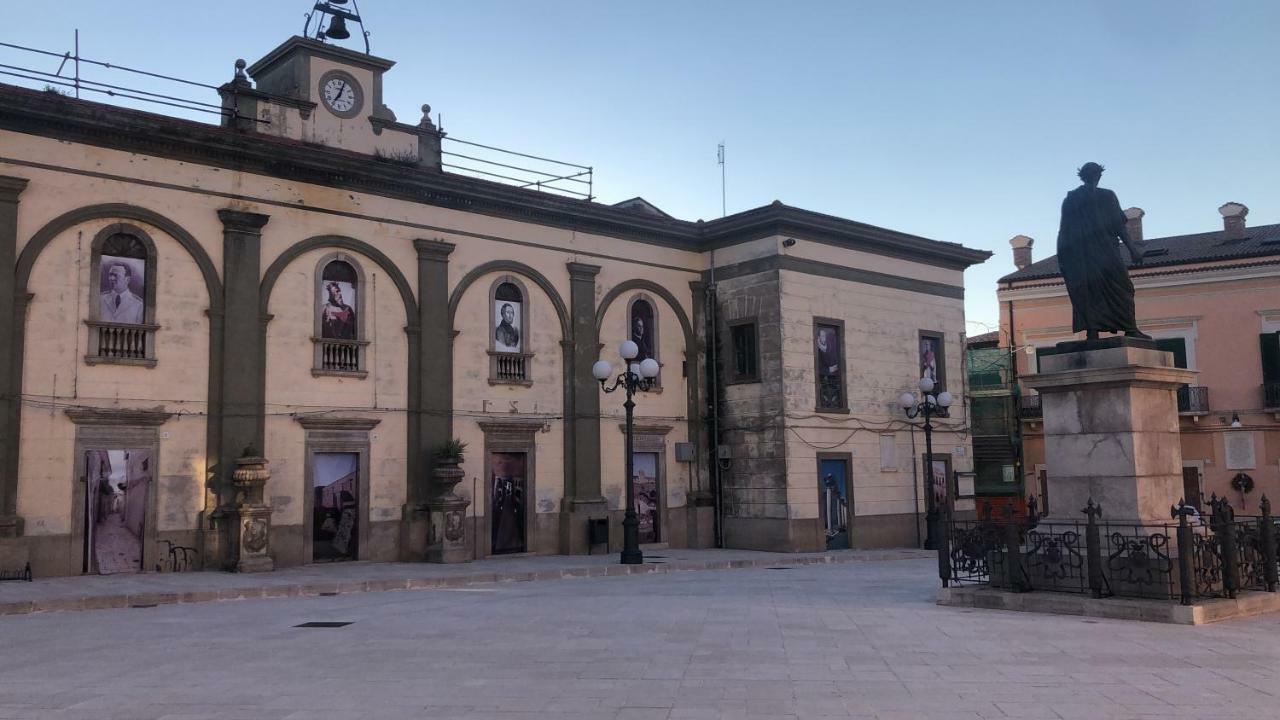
x=1191, y=486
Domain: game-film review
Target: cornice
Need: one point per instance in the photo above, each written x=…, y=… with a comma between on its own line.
x=117, y=416
x=11, y=187
x=335, y=422
x=62, y=118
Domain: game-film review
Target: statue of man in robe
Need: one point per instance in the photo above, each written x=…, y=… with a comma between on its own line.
x=1092, y=265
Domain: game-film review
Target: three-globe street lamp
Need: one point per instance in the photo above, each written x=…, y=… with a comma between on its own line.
x=635, y=377
x=928, y=405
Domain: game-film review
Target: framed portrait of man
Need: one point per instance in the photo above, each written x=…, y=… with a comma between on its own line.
x=642, y=328
x=508, y=335
x=122, y=287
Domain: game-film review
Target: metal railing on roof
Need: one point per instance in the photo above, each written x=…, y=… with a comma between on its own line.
x=493, y=163
x=68, y=74
x=37, y=66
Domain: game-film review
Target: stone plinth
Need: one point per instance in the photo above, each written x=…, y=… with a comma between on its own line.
x=253, y=516
x=1111, y=429
x=447, y=515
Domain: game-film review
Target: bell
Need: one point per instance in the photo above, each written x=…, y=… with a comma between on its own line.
x=337, y=29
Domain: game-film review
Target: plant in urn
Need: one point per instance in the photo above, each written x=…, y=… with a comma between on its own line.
x=253, y=515
x=446, y=540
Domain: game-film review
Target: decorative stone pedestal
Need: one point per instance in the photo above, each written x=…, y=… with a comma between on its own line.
x=447, y=512
x=1111, y=429
x=251, y=548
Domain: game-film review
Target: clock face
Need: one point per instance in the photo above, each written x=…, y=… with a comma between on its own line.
x=341, y=94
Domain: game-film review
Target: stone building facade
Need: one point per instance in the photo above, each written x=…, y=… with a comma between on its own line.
x=305, y=283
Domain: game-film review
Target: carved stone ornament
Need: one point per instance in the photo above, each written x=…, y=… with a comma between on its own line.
x=255, y=535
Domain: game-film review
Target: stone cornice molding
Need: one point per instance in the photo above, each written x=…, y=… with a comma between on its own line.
x=336, y=422
x=118, y=416
x=11, y=188
x=647, y=429
x=437, y=250
x=512, y=426
x=1126, y=376
x=582, y=271
x=243, y=221
x=55, y=116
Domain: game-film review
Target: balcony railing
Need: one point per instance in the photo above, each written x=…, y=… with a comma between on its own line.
x=120, y=342
x=1271, y=395
x=510, y=367
x=1193, y=400
x=338, y=357
x=1029, y=407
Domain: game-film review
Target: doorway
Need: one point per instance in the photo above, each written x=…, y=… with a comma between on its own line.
x=117, y=489
x=833, y=501
x=644, y=466
x=508, y=502
x=335, y=506
x=1191, y=486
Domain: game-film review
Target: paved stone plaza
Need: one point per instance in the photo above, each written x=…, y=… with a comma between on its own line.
x=859, y=639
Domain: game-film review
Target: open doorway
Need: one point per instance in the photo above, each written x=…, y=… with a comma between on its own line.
x=117, y=488
x=508, y=503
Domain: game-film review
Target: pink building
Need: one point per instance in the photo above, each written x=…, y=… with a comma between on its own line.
x=1213, y=300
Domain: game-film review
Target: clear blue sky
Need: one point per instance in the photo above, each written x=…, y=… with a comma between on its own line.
x=956, y=121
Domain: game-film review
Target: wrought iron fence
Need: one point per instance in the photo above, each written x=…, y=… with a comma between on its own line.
x=1193, y=399
x=1183, y=561
x=1029, y=407
x=1271, y=395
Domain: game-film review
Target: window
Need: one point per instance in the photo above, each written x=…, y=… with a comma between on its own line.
x=642, y=329
x=1177, y=346
x=509, y=356
x=933, y=360
x=339, y=339
x=122, y=306
x=746, y=355
x=1270, y=343
x=828, y=358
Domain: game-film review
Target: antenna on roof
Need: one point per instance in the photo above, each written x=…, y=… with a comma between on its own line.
x=720, y=159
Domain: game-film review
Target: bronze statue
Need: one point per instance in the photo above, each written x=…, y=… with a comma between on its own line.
x=1090, y=260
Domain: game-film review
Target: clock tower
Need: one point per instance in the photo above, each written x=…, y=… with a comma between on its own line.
x=315, y=92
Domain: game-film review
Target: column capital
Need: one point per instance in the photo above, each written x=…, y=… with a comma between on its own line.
x=438, y=250
x=11, y=188
x=582, y=271
x=698, y=286
x=242, y=221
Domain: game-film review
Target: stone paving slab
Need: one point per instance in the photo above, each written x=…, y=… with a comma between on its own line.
x=849, y=640
x=97, y=592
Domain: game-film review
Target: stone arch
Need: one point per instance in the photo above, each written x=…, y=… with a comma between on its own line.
x=45, y=235
x=379, y=258
x=651, y=287
x=517, y=268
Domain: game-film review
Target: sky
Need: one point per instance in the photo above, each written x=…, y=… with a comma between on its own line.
x=962, y=122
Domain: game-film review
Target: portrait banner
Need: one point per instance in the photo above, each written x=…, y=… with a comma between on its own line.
x=508, y=335
x=122, y=285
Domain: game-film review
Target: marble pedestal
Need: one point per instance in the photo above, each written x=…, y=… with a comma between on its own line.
x=1111, y=429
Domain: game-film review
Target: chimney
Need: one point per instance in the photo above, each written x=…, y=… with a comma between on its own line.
x=1021, y=250
x=1233, y=215
x=1133, y=223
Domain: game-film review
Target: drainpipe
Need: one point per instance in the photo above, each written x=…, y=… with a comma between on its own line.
x=713, y=376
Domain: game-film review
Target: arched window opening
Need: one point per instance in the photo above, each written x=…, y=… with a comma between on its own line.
x=509, y=354
x=642, y=329
x=339, y=324
x=122, y=307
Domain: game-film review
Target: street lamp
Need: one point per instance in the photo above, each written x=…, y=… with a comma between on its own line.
x=635, y=377
x=927, y=406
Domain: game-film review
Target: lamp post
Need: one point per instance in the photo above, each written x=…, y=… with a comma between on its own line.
x=927, y=406
x=635, y=377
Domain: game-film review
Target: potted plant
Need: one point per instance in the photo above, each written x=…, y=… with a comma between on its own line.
x=450, y=453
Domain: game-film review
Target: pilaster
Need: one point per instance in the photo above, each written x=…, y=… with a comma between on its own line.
x=11, y=318
x=430, y=390
x=582, y=497
x=243, y=363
